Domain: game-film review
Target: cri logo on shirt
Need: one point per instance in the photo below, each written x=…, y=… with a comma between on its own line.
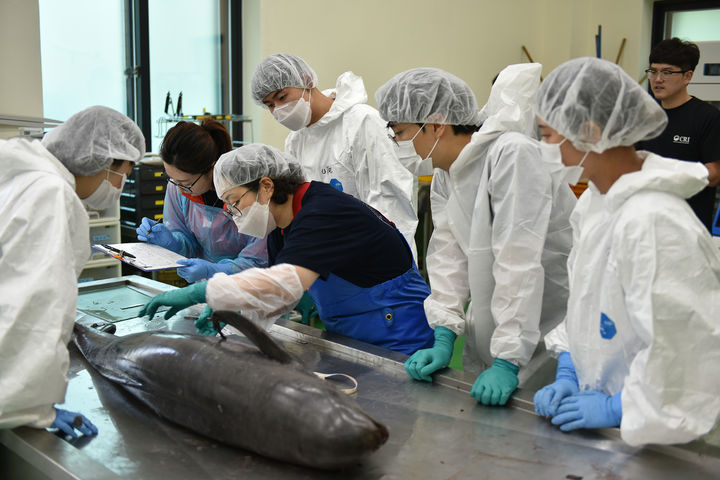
x=681, y=139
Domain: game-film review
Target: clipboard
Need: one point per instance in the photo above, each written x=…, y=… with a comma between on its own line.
x=147, y=257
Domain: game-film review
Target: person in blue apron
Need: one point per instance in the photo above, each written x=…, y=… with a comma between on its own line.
x=354, y=263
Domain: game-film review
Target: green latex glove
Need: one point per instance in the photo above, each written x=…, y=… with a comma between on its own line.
x=204, y=325
x=177, y=299
x=428, y=360
x=495, y=385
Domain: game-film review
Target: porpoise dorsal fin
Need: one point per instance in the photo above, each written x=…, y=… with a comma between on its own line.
x=256, y=335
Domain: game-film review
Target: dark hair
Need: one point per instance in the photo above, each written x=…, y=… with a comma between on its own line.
x=284, y=185
x=465, y=129
x=459, y=129
x=676, y=52
x=194, y=148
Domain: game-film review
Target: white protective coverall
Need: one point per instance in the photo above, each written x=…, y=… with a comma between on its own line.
x=350, y=143
x=43, y=247
x=501, y=233
x=642, y=260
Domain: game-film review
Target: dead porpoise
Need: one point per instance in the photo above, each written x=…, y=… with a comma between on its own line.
x=259, y=399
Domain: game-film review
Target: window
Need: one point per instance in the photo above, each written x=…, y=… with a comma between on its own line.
x=82, y=61
x=688, y=20
x=695, y=25
x=184, y=57
x=128, y=54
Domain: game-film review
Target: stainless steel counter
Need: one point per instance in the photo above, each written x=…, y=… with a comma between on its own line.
x=436, y=430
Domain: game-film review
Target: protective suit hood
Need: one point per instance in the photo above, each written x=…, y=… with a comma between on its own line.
x=36, y=158
x=349, y=90
x=683, y=179
x=510, y=108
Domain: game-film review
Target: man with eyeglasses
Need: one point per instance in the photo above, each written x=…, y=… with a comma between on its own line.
x=500, y=213
x=693, y=130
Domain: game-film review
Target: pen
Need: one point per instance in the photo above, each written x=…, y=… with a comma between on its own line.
x=121, y=252
x=156, y=223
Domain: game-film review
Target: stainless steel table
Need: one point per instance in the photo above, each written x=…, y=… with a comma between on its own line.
x=436, y=430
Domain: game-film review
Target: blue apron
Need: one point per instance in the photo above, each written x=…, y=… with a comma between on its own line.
x=390, y=314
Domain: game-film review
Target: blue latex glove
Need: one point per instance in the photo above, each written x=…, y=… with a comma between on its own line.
x=199, y=269
x=495, y=385
x=589, y=409
x=153, y=232
x=177, y=299
x=428, y=360
x=204, y=325
x=548, y=398
x=68, y=421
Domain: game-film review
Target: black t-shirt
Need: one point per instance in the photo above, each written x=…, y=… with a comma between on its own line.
x=692, y=134
x=336, y=233
x=211, y=199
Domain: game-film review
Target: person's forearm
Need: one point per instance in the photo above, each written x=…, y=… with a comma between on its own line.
x=713, y=172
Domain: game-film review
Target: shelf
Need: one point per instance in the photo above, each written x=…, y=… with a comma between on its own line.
x=225, y=118
x=107, y=215
x=102, y=262
x=104, y=228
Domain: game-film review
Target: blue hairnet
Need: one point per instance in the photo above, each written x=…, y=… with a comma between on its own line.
x=279, y=71
x=249, y=163
x=597, y=106
x=89, y=141
x=429, y=95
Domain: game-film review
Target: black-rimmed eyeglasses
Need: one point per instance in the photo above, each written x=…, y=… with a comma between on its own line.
x=653, y=73
x=232, y=210
x=186, y=189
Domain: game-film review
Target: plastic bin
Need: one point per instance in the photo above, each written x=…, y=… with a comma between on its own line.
x=100, y=271
x=106, y=233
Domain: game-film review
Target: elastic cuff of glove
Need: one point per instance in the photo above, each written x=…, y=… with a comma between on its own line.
x=505, y=365
x=565, y=360
x=226, y=268
x=198, y=291
x=444, y=336
x=616, y=406
x=565, y=368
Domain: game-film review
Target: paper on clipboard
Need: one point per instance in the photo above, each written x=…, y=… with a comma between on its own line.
x=147, y=257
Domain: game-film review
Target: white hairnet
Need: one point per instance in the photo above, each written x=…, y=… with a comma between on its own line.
x=89, y=141
x=597, y=106
x=429, y=95
x=511, y=104
x=249, y=163
x=279, y=71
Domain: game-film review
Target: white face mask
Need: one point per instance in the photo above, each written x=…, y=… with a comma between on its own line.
x=294, y=115
x=409, y=158
x=573, y=173
x=256, y=220
x=106, y=195
x=553, y=158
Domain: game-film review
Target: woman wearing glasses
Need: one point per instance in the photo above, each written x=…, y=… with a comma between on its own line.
x=353, y=262
x=194, y=223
